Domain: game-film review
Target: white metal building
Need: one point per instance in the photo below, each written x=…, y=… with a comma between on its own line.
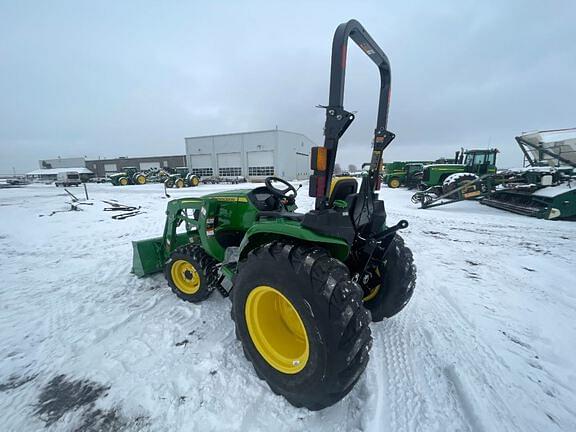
x=73, y=162
x=253, y=155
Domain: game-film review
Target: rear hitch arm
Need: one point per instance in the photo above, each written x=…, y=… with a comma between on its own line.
x=390, y=231
x=374, y=243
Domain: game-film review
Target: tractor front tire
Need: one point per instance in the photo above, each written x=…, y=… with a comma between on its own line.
x=301, y=322
x=396, y=282
x=191, y=273
x=123, y=181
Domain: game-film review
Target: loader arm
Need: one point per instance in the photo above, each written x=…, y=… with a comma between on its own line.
x=338, y=119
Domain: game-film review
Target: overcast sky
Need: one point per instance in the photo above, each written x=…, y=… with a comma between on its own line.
x=133, y=78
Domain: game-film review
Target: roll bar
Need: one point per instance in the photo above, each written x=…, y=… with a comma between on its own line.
x=338, y=119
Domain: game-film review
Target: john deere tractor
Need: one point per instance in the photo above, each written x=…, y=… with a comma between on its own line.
x=130, y=176
x=401, y=173
x=470, y=165
x=182, y=178
x=304, y=286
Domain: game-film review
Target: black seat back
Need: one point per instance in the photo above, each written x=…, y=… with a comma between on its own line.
x=341, y=187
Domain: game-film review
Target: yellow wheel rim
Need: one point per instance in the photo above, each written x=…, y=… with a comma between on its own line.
x=394, y=183
x=185, y=277
x=376, y=289
x=123, y=181
x=179, y=183
x=277, y=330
x=195, y=181
x=141, y=179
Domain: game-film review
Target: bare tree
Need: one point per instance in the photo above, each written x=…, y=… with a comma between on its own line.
x=337, y=169
x=352, y=168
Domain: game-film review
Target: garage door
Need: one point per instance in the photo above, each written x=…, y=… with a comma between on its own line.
x=201, y=165
x=229, y=165
x=261, y=163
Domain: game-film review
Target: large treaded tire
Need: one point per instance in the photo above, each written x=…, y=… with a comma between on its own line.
x=397, y=281
x=394, y=183
x=330, y=306
x=204, y=264
x=454, y=181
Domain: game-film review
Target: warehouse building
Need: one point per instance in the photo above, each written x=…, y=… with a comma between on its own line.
x=252, y=155
x=105, y=167
x=49, y=169
x=74, y=162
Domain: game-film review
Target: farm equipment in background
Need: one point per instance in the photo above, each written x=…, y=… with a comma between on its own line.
x=469, y=165
x=471, y=177
x=549, y=148
x=547, y=189
x=304, y=286
x=400, y=173
x=182, y=178
x=224, y=180
x=130, y=176
x=541, y=190
x=156, y=175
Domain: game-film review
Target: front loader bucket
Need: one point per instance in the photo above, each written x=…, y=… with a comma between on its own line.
x=147, y=256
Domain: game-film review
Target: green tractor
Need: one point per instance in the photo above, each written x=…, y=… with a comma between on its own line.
x=304, y=286
x=470, y=166
x=182, y=178
x=399, y=173
x=130, y=176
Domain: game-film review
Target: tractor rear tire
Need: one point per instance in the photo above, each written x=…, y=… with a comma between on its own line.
x=454, y=181
x=139, y=179
x=193, y=180
x=191, y=273
x=397, y=274
x=314, y=354
x=394, y=183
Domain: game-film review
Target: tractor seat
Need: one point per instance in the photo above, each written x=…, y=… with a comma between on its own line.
x=341, y=188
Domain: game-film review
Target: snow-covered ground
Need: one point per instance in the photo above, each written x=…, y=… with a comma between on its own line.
x=487, y=343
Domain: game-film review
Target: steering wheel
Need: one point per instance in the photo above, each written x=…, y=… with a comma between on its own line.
x=280, y=193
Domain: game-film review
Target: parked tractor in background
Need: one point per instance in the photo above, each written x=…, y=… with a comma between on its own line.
x=130, y=176
x=470, y=165
x=402, y=173
x=304, y=286
x=182, y=178
x=396, y=174
x=545, y=190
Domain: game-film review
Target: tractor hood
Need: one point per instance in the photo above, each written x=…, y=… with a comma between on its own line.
x=447, y=166
x=232, y=195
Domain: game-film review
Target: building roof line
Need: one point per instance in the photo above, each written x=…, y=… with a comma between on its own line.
x=123, y=158
x=247, y=133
